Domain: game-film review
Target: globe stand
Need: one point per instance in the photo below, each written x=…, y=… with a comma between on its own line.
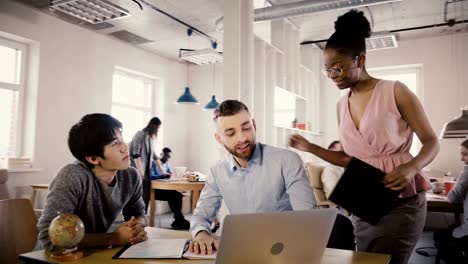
x=66, y=254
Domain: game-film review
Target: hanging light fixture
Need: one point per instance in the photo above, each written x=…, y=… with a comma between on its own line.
x=213, y=103
x=457, y=128
x=187, y=97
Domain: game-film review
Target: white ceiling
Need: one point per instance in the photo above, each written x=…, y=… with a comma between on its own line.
x=168, y=36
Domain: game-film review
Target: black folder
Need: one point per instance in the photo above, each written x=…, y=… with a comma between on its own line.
x=361, y=191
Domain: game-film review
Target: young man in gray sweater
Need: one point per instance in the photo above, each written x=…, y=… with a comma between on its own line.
x=98, y=186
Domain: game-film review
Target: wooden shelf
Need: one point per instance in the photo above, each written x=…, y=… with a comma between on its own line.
x=295, y=94
x=314, y=133
x=306, y=68
x=274, y=47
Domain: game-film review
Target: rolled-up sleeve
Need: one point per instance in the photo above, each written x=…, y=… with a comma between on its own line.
x=459, y=191
x=297, y=183
x=207, y=206
x=136, y=145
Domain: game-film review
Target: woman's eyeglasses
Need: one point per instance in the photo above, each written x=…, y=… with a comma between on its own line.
x=337, y=71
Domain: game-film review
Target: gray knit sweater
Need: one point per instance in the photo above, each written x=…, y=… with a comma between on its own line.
x=77, y=190
x=459, y=194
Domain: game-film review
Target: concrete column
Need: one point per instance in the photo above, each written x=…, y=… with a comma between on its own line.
x=259, y=89
x=238, y=51
x=270, y=83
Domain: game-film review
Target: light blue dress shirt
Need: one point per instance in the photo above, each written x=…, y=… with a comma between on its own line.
x=274, y=180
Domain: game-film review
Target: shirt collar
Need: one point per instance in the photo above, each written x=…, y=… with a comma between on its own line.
x=257, y=158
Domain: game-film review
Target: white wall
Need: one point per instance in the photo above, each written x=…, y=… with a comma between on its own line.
x=444, y=60
x=203, y=147
x=75, y=78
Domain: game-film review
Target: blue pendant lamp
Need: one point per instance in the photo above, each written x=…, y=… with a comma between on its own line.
x=187, y=98
x=212, y=104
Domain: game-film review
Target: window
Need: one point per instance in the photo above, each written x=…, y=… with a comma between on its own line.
x=12, y=71
x=132, y=101
x=411, y=77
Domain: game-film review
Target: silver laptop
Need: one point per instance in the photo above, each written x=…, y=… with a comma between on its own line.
x=280, y=237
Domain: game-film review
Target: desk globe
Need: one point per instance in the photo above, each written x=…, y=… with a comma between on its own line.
x=65, y=232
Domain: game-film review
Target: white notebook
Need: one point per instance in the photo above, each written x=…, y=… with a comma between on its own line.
x=161, y=248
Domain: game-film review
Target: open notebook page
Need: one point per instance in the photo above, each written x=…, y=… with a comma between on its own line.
x=156, y=248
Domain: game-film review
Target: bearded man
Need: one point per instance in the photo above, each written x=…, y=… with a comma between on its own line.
x=252, y=177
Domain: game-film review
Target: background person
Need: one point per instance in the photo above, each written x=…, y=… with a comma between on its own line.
x=331, y=173
x=452, y=243
x=141, y=153
x=174, y=198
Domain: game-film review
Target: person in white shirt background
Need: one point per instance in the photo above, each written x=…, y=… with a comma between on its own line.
x=331, y=174
x=452, y=242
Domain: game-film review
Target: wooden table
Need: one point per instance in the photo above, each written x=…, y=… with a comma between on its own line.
x=331, y=256
x=439, y=203
x=195, y=187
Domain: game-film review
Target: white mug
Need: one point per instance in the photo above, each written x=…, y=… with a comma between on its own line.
x=438, y=187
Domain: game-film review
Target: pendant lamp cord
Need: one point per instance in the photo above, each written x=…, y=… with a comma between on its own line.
x=214, y=78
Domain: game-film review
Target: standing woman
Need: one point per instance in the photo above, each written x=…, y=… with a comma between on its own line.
x=377, y=119
x=141, y=152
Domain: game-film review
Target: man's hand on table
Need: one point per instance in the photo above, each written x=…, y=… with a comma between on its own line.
x=203, y=244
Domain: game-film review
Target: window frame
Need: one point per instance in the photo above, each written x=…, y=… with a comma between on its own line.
x=21, y=88
x=156, y=91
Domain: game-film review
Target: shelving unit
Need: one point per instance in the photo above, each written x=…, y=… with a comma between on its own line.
x=280, y=63
x=282, y=139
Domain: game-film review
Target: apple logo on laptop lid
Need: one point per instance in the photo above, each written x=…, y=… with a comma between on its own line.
x=277, y=248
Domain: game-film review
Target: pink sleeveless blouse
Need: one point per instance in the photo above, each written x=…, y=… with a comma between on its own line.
x=384, y=138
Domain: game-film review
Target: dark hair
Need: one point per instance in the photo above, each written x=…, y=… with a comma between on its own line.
x=166, y=150
x=465, y=143
x=351, y=31
x=152, y=126
x=89, y=136
x=229, y=108
x=332, y=145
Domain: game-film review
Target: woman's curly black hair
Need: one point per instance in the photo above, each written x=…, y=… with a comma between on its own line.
x=351, y=31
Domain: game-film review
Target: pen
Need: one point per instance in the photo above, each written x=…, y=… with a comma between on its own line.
x=186, y=246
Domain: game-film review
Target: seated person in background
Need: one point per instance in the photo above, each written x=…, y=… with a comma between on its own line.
x=459, y=193
x=331, y=174
x=174, y=198
x=156, y=173
x=98, y=186
x=452, y=243
x=252, y=178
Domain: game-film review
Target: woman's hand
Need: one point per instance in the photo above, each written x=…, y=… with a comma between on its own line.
x=400, y=177
x=299, y=142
